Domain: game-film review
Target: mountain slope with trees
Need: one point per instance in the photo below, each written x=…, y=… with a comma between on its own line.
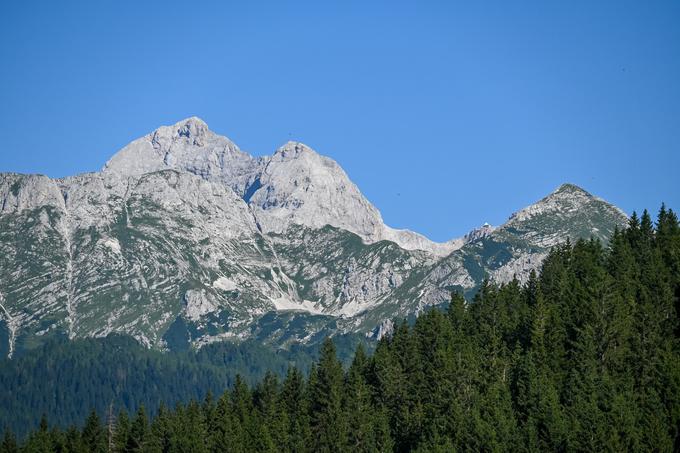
x=582, y=357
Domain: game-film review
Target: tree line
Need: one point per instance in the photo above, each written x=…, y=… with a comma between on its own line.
x=583, y=356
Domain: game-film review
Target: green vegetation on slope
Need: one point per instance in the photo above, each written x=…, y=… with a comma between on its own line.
x=66, y=379
x=583, y=357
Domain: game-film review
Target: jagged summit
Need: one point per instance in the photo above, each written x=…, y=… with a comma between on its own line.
x=480, y=232
x=184, y=237
x=193, y=128
x=544, y=221
x=299, y=186
x=294, y=186
x=565, y=198
x=193, y=120
x=567, y=190
x=191, y=146
x=569, y=187
x=192, y=125
x=293, y=149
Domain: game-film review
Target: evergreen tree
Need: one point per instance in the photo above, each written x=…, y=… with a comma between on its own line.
x=407, y=405
x=327, y=419
x=245, y=427
x=363, y=433
x=139, y=430
x=271, y=436
x=9, y=443
x=121, y=432
x=94, y=435
x=223, y=428
x=159, y=432
x=73, y=442
x=188, y=430
x=294, y=400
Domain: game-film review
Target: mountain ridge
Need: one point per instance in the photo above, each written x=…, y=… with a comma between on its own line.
x=190, y=145
x=182, y=235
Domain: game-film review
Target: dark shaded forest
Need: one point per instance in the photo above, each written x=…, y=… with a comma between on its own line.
x=583, y=356
x=66, y=379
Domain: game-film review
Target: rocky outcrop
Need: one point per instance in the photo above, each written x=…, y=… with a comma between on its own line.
x=183, y=232
x=294, y=186
x=190, y=146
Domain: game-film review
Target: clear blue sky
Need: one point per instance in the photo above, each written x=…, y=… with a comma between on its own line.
x=445, y=114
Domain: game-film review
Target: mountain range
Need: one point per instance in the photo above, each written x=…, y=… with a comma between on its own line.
x=182, y=240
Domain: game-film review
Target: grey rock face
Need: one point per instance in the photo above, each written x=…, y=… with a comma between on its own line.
x=294, y=186
x=300, y=187
x=182, y=235
x=24, y=192
x=190, y=146
x=519, y=246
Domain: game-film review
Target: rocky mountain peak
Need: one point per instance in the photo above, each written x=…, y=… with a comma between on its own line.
x=480, y=232
x=19, y=192
x=299, y=186
x=193, y=131
x=193, y=125
x=568, y=191
x=305, y=157
x=295, y=185
x=293, y=150
x=569, y=211
x=184, y=232
x=187, y=145
x=570, y=188
x=567, y=198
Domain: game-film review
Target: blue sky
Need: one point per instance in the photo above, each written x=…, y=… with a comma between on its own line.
x=445, y=114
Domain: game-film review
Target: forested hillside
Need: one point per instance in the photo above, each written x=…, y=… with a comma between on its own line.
x=583, y=357
x=65, y=379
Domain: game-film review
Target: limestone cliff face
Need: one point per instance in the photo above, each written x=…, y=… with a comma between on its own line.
x=294, y=186
x=183, y=235
x=189, y=146
x=300, y=187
